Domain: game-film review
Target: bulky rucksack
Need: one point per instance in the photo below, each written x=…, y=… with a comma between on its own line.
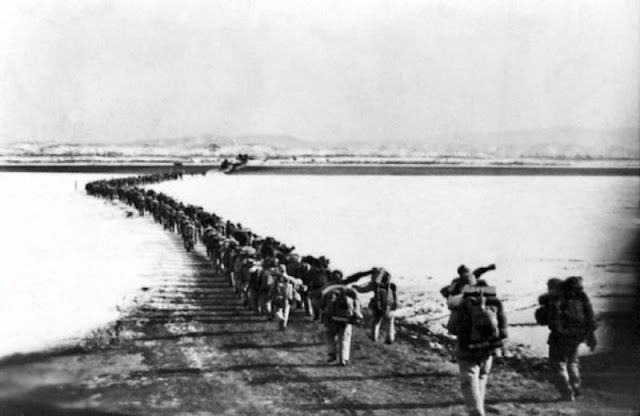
x=266, y=280
x=567, y=315
x=255, y=274
x=282, y=291
x=541, y=315
x=317, y=278
x=341, y=307
x=384, y=297
x=484, y=320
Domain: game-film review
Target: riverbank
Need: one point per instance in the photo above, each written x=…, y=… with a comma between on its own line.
x=190, y=348
x=435, y=170
x=135, y=168
x=333, y=169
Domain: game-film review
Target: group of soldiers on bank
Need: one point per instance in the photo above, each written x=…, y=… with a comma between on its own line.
x=270, y=279
x=478, y=321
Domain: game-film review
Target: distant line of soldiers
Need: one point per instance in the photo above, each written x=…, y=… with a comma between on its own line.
x=268, y=276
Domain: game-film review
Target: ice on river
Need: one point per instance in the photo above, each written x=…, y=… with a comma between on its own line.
x=68, y=261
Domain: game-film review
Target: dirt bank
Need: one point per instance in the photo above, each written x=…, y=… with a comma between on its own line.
x=190, y=348
x=134, y=168
x=425, y=169
x=434, y=170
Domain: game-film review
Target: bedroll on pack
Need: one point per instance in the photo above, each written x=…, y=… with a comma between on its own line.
x=381, y=276
x=485, y=328
x=476, y=290
x=255, y=273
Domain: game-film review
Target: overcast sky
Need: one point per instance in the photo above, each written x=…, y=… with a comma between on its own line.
x=320, y=70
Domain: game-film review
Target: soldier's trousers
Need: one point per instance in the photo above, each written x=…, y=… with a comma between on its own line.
x=474, y=374
x=281, y=312
x=385, y=320
x=563, y=358
x=338, y=338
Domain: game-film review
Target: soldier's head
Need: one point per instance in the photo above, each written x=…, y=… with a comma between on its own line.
x=554, y=285
x=323, y=262
x=336, y=276
x=573, y=284
x=465, y=275
x=293, y=258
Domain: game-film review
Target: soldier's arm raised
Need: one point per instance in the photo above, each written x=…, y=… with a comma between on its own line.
x=357, y=276
x=482, y=270
x=364, y=288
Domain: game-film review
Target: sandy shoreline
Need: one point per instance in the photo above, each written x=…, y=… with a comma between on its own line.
x=333, y=169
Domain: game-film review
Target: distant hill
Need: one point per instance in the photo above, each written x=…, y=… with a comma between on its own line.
x=566, y=142
x=279, y=141
x=569, y=144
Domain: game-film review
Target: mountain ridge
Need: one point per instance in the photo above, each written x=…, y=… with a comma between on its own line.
x=623, y=143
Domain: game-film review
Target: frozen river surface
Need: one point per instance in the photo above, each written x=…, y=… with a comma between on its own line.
x=69, y=262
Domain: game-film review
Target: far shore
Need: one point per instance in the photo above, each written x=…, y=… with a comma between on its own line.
x=332, y=169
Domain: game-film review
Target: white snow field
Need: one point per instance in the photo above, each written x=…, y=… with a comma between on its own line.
x=68, y=261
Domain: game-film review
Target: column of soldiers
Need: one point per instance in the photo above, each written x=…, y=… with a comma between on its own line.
x=270, y=279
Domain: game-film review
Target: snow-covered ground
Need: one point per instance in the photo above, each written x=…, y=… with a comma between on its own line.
x=68, y=261
x=298, y=152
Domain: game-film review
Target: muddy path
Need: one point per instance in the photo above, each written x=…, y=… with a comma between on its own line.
x=191, y=348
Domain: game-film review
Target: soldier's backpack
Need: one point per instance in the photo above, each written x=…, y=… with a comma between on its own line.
x=317, y=278
x=384, y=297
x=341, y=307
x=266, y=280
x=567, y=316
x=541, y=315
x=282, y=291
x=255, y=273
x=189, y=230
x=484, y=321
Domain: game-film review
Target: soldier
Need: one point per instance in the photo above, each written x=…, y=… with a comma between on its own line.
x=454, y=291
x=567, y=311
x=283, y=295
x=188, y=235
x=318, y=279
x=267, y=280
x=340, y=310
x=481, y=328
x=383, y=303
